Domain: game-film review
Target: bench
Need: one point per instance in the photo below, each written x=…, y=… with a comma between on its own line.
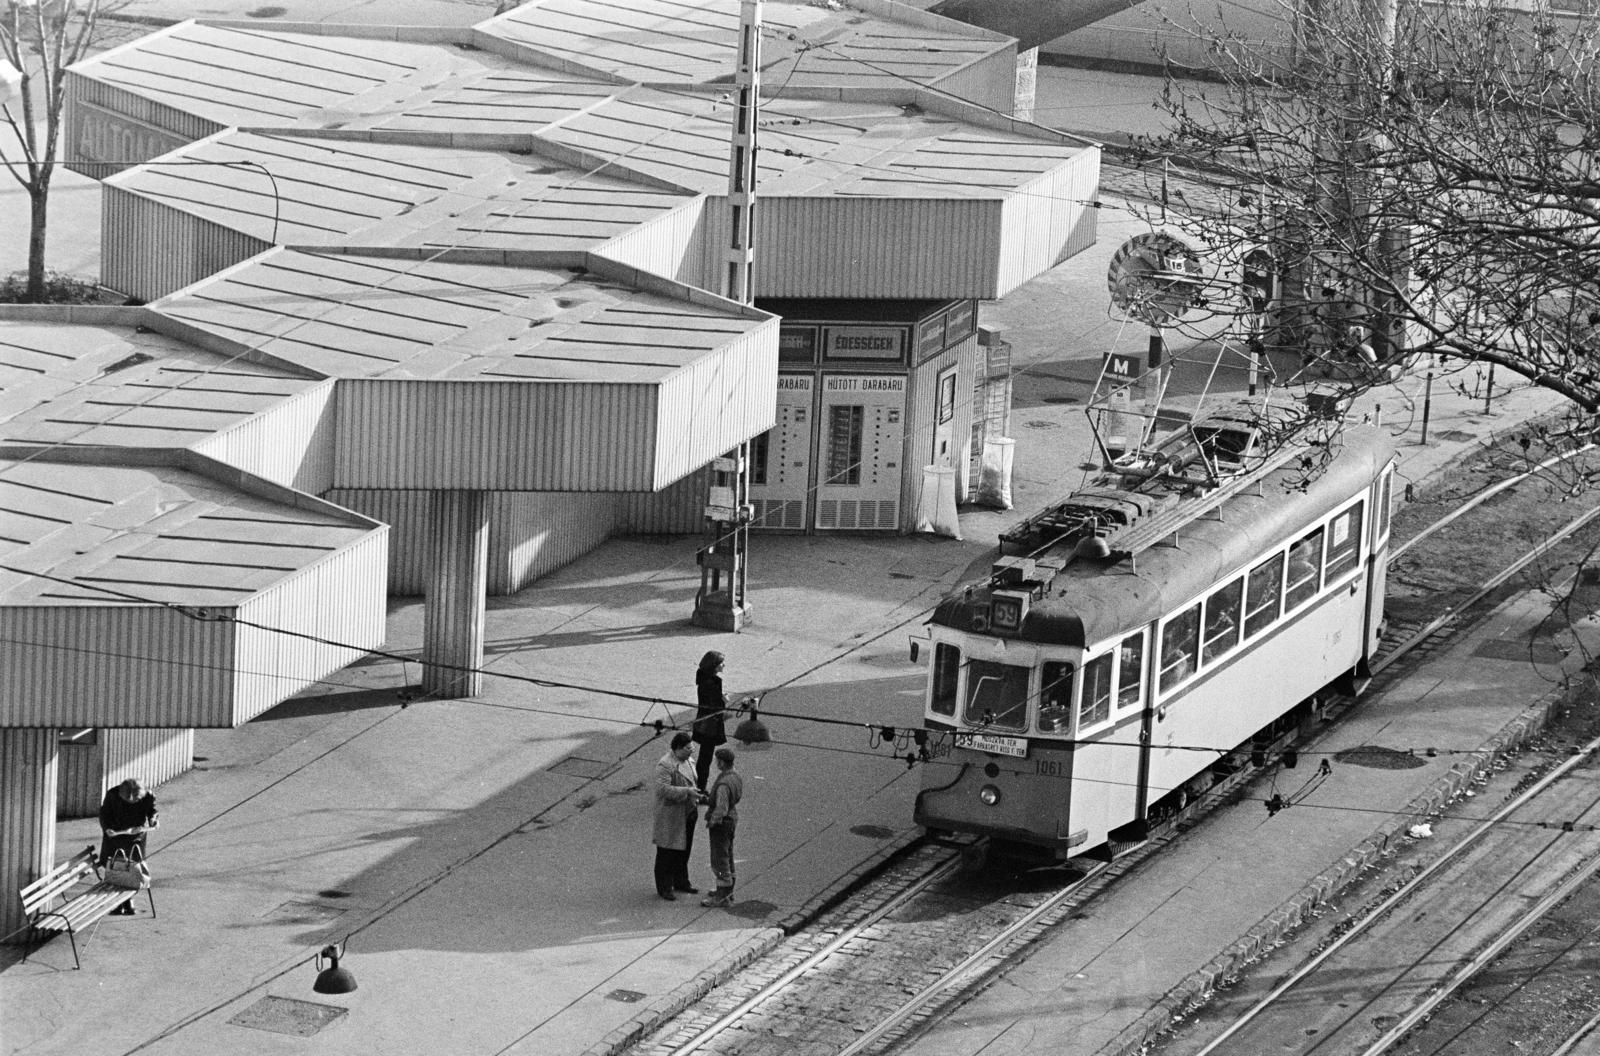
x=60, y=901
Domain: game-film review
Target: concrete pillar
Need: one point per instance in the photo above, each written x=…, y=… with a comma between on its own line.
x=27, y=819
x=452, y=626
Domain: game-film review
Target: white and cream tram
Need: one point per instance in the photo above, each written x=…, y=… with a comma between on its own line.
x=1075, y=694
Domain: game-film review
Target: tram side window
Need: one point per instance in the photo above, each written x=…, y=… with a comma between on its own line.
x=1222, y=621
x=1096, y=707
x=946, y=670
x=1264, y=595
x=1130, y=671
x=1385, y=497
x=1305, y=566
x=1179, y=642
x=997, y=695
x=1344, y=542
x=1055, y=697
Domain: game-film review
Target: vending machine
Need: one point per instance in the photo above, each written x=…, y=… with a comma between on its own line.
x=860, y=450
x=780, y=459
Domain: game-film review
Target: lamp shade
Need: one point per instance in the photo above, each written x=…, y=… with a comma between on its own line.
x=333, y=979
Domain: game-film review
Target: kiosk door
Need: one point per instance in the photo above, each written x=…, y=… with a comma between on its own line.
x=944, y=416
x=860, y=448
x=780, y=458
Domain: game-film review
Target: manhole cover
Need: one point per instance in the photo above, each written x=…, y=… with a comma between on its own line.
x=588, y=769
x=1378, y=758
x=303, y=913
x=751, y=909
x=285, y=1015
x=1511, y=649
x=627, y=997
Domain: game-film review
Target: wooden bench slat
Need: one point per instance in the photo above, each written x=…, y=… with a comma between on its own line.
x=86, y=908
x=58, y=880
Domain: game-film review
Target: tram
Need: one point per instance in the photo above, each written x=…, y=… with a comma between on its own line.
x=1180, y=606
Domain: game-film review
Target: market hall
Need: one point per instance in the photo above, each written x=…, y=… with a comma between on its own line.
x=332, y=226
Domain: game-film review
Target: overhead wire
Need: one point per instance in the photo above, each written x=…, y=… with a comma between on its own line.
x=589, y=688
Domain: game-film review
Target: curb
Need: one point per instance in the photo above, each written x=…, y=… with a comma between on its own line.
x=752, y=949
x=1295, y=911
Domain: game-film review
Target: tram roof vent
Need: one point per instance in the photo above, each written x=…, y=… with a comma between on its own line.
x=1031, y=574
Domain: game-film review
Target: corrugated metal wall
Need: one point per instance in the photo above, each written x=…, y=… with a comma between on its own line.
x=717, y=403
x=88, y=770
x=677, y=509
x=153, y=756
x=874, y=248
x=990, y=82
x=118, y=129
x=147, y=249
x=406, y=514
x=340, y=598
x=27, y=815
x=531, y=534
x=135, y=666
x=504, y=437
x=666, y=246
x=1047, y=222
x=292, y=444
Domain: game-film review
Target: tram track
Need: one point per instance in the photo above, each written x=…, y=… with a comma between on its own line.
x=1413, y=949
x=910, y=942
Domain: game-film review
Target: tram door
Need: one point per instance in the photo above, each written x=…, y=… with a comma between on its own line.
x=860, y=447
x=780, y=458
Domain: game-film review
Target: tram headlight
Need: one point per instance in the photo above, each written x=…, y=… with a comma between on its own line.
x=989, y=794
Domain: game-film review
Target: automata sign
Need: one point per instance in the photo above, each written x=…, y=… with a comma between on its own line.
x=109, y=138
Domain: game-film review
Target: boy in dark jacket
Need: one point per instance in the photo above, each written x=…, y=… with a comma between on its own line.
x=722, y=816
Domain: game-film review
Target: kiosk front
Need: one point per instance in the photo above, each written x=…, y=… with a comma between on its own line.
x=868, y=393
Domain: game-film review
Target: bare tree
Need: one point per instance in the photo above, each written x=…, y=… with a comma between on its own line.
x=1398, y=178
x=41, y=38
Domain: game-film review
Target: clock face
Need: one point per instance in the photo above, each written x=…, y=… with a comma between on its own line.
x=1155, y=278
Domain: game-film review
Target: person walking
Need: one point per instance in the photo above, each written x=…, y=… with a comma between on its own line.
x=127, y=815
x=722, y=815
x=709, y=729
x=677, y=804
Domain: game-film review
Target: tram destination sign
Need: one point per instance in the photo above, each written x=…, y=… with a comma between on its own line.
x=983, y=742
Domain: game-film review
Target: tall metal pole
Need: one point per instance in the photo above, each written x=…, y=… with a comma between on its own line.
x=729, y=509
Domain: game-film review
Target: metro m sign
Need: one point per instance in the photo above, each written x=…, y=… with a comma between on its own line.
x=1121, y=368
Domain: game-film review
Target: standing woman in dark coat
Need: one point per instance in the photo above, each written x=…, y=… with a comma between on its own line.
x=127, y=814
x=709, y=731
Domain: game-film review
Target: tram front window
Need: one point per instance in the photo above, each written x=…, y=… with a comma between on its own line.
x=997, y=695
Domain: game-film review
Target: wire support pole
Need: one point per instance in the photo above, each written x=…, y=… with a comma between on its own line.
x=728, y=509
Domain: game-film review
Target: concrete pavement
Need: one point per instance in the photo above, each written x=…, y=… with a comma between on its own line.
x=488, y=860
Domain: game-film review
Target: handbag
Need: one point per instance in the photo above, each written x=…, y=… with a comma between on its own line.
x=124, y=872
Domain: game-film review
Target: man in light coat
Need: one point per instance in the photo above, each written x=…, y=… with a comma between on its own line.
x=677, y=803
